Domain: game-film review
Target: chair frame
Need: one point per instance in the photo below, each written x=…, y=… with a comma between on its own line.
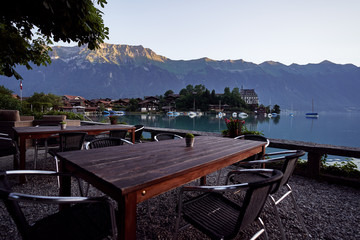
x=287, y=170
x=255, y=138
x=139, y=128
x=16, y=213
x=117, y=141
x=6, y=137
x=171, y=136
x=276, y=177
x=62, y=148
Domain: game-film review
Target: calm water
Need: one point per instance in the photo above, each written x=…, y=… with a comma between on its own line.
x=330, y=128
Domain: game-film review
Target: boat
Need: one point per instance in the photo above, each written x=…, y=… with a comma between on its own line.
x=274, y=114
x=269, y=115
x=106, y=112
x=170, y=114
x=234, y=114
x=191, y=114
x=176, y=114
x=118, y=113
x=220, y=114
x=312, y=114
x=243, y=115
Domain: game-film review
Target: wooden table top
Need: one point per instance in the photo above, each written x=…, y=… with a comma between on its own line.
x=56, y=129
x=131, y=168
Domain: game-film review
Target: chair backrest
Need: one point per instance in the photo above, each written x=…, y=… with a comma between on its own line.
x=256, y=196
x=118, y=133
x=71, y=141
x=254, y=138
x=12, y=206
x=7, y=145
x=138, y=132
x=166, y=136
x=289, y=166
x=106, y=142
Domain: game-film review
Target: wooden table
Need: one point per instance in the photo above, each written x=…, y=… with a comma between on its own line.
x=131, y=174
x=23, y=133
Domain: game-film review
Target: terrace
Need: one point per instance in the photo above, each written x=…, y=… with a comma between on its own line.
x=329, y=210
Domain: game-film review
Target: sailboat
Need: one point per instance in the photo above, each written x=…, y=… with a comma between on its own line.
x=312, y=114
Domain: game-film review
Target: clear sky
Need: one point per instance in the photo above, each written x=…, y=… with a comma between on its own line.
x=287, y=31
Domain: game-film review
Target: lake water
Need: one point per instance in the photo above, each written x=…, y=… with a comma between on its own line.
x=330, y=128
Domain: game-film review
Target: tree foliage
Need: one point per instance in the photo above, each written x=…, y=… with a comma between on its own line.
x=7, y=101
x=43, y=102
x=28, y=27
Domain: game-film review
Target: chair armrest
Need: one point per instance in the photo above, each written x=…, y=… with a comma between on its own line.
x=67, y=200
x=44, y=173
x=280, y=153
x=126, y=141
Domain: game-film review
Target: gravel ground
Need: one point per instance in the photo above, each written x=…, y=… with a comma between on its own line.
x=330, y=211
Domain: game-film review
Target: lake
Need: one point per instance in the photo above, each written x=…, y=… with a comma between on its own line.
x=330, y=128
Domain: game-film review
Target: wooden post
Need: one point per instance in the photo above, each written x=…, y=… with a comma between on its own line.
x=314, y=162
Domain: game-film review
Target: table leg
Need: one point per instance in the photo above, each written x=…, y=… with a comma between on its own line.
x=133, y=136
x=203, y=181
x=127, y=217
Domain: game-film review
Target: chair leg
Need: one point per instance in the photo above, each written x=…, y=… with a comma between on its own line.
x=57, y=170
x=261, y=231
x=300, y=218
x=273, y=203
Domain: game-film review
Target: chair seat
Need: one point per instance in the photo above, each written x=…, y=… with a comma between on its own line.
x=75, y=223
x=202, y=210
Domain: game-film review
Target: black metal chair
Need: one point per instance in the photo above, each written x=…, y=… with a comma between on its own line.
x=9, y=147
x=118, y=133
x=166, y=136
x=221, y=218
x=107, y=142
x=69, y=141
x=288, y=160
x=89, y=217
x=138, y=133
x=255, y=138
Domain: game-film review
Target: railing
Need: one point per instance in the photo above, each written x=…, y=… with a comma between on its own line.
x=315, y=151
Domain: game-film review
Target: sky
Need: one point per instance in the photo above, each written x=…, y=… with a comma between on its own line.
x=286, y=31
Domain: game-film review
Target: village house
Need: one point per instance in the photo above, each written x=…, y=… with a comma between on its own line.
x=149, y=103
x=249, y=96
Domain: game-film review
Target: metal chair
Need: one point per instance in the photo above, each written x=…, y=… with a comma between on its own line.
x=107, y=142
x=138, y=133
x=221, y=218
x=118, y=133
x=255, y=138
x=9, y=147
x=289, y=160
x=89, y=217
x=69, y=141
x=166, y=136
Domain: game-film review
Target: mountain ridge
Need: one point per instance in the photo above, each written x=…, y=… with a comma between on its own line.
x=119, y=71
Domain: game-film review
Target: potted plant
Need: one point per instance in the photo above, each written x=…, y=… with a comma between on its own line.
x=234, y=127
x=63, y=125
x=113, y=119
x=189, y=139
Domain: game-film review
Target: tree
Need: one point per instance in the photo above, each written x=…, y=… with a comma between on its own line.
x=276, y=109
x=43, y=102
x=28, y=27
x=168, y=92
x=7, y=101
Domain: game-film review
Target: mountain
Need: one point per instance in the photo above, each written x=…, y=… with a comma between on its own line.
x=119, y=71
